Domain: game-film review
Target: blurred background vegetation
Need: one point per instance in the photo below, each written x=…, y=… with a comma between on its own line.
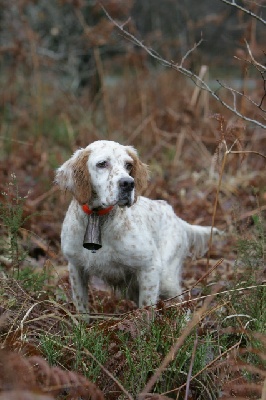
x=71, y=49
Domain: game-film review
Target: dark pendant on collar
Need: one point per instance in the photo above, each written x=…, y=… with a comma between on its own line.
x=92, y=237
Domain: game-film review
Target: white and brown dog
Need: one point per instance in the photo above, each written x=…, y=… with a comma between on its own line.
x=144, y=243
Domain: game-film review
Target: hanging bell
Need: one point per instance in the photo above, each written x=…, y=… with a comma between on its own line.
x=92, y=237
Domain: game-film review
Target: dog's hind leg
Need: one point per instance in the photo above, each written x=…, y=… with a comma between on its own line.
x=170, y=282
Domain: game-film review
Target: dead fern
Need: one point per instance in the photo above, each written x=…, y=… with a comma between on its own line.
x=33, y=375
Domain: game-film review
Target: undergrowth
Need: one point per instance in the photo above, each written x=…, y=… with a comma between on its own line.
x=251, y=249
x=226, y=344
x=12, y=219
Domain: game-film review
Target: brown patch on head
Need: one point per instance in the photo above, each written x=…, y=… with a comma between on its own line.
x=74, y=176
x=139, y=173
x=82, y=180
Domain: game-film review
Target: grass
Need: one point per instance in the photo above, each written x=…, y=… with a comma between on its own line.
x=133, y=347
x=12, y=219
x=33, y=281
x=139, y=355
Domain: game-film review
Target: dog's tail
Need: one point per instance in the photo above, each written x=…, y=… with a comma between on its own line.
x=199, y=239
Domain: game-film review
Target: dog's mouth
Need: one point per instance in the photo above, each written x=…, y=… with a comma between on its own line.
x=125, y=198
x=124, y=202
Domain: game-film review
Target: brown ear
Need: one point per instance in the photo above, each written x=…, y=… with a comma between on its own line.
x=74, y=176
x=139, y=173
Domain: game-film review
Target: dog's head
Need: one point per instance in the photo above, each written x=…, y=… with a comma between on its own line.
x=103, y=174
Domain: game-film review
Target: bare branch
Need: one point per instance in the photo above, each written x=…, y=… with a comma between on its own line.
x=255, y=62
x=189, y=52
x=236, y=92
x=262, y=70
x=184, y=71
x=245, y=10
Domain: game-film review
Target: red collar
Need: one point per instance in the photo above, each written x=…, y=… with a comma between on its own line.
x=102, y=211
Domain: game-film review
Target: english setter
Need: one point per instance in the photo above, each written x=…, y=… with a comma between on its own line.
x=144, y=243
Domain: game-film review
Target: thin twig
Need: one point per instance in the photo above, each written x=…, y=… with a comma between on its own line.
x=196, y=299
x=210, y=270
x=201, y=279
x=235, y=92
x=191, y=366
x=197, y=316
x=255, y=62
x=215, y=205
x=179, y=67
x=88, y=353
x=245, y=10
x=247, y=152
x=210, y=364
x=206, y=367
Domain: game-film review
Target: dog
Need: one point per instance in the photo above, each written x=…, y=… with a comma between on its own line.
x=144, y=243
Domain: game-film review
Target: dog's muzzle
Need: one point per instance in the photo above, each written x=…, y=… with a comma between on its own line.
x=126, y=186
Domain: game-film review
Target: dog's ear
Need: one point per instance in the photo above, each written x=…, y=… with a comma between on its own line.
x=139, y=172
x=74, y=176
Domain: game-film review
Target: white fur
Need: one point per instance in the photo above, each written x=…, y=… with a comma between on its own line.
x=143, y=246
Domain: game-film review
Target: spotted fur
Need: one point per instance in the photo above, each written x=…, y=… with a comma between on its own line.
x=144, y=243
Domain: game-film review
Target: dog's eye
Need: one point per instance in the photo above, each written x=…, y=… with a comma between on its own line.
x=102, y=164
x=129, y=166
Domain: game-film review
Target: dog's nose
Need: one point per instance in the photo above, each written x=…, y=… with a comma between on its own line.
x=126, y=184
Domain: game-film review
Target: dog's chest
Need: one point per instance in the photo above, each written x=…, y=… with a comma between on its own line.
x=110, y=266
x=114, y=257
x=127, y=245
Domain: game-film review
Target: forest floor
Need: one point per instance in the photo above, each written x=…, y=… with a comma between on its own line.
x=219, y=355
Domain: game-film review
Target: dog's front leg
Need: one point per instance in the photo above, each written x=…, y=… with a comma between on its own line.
x=148, y=286
x=79, y=285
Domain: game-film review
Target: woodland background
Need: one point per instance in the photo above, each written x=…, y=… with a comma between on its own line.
x=70, y=76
